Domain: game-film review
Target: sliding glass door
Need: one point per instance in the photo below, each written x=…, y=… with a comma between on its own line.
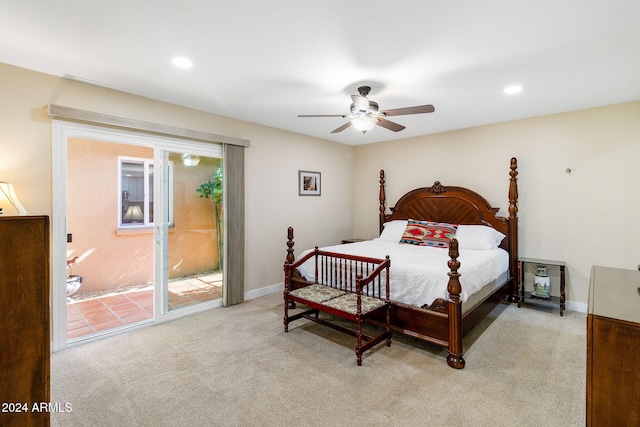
x=188, y=229
x=137, y=230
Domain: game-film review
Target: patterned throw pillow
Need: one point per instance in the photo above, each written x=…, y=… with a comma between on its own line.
x=438, y=234
x=414, y=232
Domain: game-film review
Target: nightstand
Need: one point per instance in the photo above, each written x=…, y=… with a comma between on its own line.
x=530, y=297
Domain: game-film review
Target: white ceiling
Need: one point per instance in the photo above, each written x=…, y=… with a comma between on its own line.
x=268, y=61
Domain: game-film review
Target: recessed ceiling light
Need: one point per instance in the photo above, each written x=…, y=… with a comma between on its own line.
x=182, y=62
x=510, y=90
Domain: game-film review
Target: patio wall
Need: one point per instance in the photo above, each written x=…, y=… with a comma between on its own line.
x=111, y=258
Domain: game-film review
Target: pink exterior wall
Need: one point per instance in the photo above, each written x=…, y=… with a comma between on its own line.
x=192, y=241
x=111, y=258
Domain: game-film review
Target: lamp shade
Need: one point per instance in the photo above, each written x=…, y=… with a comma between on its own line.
x=9, y=199
x=133, y=214
x=364, y=124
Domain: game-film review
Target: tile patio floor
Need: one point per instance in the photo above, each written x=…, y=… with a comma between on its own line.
x=87, y=316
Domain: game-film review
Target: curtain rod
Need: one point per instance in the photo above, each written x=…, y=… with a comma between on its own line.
x=68, y=113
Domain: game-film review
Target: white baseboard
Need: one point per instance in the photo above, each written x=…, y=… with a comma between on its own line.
x=267, y=290
x=580, y=307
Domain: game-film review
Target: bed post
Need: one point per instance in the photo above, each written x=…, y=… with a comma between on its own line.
x=455, y=359
x=382, y=198
x=287, y=272
x=290, y=257
x=513, y=229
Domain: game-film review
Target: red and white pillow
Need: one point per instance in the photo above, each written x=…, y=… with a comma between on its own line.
x=428, y=233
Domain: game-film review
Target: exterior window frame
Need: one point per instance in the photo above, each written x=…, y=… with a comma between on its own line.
x=147, y=199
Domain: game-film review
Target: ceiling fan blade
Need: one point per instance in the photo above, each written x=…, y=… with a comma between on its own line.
x=341, y=128
x=321, y=115
x=360, y=102
x=389, y=125
x=409, y=110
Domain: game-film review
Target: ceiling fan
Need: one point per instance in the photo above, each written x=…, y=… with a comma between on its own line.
x=365, y=113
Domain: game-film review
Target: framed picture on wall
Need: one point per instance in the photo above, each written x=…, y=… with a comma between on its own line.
x=308, y=183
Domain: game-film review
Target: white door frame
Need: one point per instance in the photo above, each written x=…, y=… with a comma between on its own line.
x=61, y=131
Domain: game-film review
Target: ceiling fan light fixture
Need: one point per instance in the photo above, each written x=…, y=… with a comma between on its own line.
x=364, y=124
x=365, y=114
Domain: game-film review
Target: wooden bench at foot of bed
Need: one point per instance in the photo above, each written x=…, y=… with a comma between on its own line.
x=441, y=325
x=341, y=294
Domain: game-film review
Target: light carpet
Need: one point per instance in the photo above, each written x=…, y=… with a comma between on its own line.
x=235, y=366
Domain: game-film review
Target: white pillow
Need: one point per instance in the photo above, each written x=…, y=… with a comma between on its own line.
x=393, y=230
x=478, y=237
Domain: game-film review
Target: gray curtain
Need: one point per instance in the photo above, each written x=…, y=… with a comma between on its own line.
x=234, y=224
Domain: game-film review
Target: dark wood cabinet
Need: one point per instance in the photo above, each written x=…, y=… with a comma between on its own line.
x=24, y=326
x=613, y=348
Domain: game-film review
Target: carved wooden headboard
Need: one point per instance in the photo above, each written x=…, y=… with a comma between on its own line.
x=457, y=205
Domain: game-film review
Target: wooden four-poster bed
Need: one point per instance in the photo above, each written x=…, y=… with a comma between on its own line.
x=444, y=320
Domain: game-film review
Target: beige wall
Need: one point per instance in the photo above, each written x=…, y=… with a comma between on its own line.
x=272, y=164
x=586, y=217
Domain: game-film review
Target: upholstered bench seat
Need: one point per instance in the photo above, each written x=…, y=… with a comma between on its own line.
x=317, y=293
x=348, y=303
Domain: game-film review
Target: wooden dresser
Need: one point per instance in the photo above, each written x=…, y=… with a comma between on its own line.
x=613, y=348
x=24, y=320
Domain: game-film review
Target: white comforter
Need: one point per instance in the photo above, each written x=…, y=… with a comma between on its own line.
x=419, y=273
